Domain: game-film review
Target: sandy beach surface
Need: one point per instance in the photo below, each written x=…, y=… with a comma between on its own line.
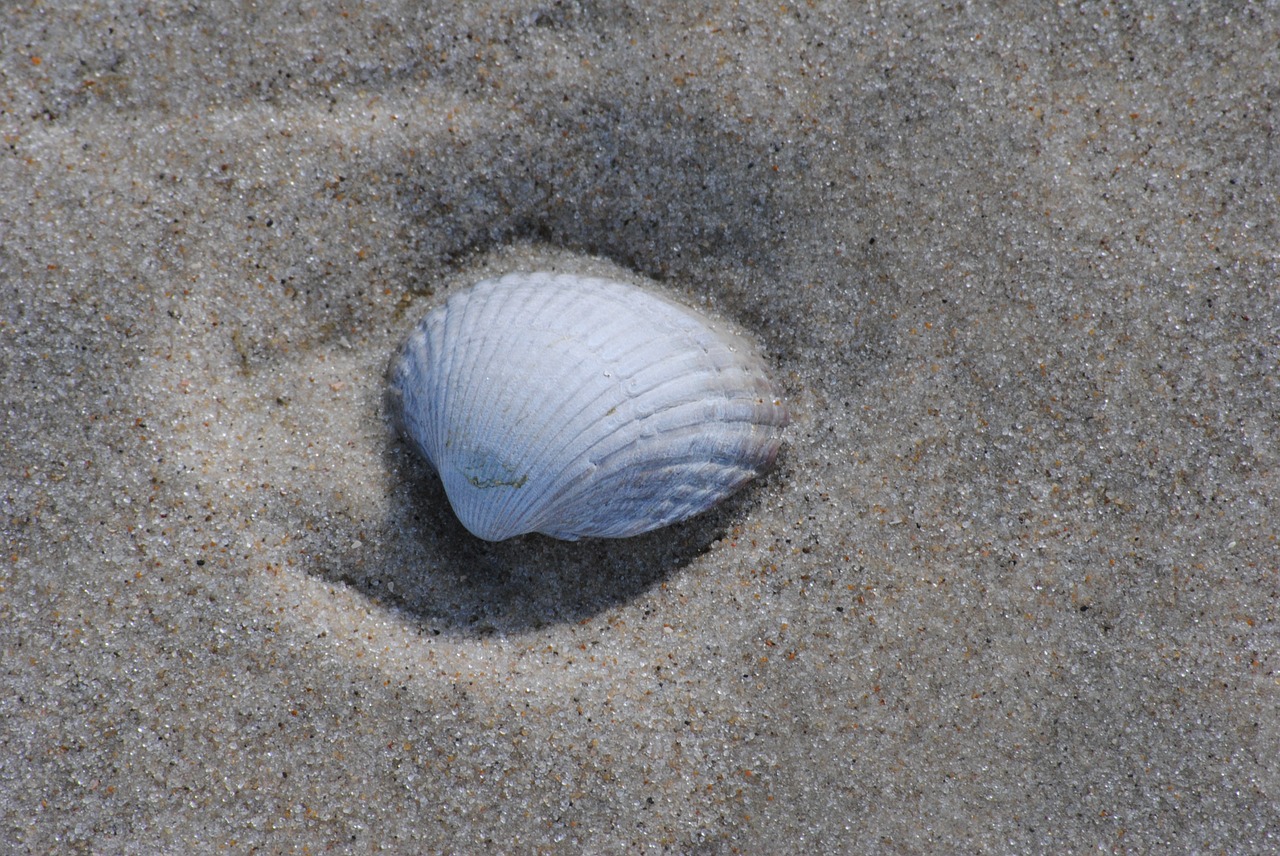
x=1013, y=587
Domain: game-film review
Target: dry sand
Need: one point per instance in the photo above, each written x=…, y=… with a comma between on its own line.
x=1013, y=587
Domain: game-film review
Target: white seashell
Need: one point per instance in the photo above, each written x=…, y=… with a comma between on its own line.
x=575, y=407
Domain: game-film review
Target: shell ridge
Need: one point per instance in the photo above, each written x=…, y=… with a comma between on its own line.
x=683, y=420
x=419, y=412
x=542, y=303
x=519, y=402
x=581, y=406
x=467, y=325
x=491, y=390
x=446, y=392
x=437, y=392
x=566, y=406
x=422, y=396
x=602, y=467
x=670, y=420
x=630, y=396
x=563, y=441
x=656, y=405
x=689, y=485
x=478, y=355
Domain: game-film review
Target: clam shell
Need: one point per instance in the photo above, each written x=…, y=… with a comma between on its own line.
x=575, y=406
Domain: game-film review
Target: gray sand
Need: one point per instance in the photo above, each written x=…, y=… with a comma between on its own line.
x=1013, y=586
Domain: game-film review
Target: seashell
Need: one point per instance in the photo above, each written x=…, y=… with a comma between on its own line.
x=575, y=406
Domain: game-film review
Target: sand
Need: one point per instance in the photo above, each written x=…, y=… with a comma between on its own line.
x=1013, y=587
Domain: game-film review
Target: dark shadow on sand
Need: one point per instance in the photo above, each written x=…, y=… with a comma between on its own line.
x=446, y=580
